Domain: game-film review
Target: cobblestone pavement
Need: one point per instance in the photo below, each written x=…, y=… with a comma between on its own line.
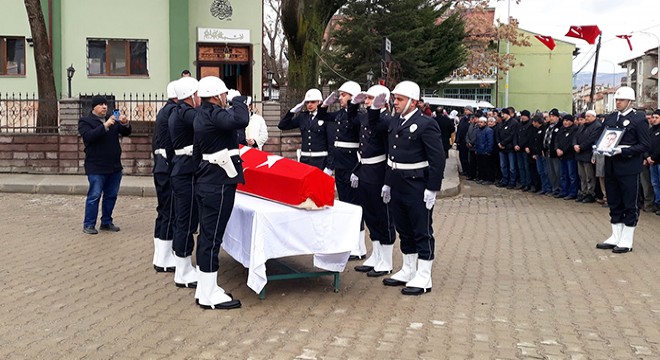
x=516, y=276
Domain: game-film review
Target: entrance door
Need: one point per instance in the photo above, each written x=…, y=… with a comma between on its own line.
x=229, y=63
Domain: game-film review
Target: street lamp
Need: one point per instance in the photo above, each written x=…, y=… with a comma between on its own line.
x=269, y=76
x=69, y=74
x=370, y=78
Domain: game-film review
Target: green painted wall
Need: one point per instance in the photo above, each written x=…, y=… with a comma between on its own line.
x=544, y=82
x=146, y=20
x=247, y=14
x=178, y=26
x=14, y=22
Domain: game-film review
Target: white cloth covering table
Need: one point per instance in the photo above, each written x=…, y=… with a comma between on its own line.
x=259, y=230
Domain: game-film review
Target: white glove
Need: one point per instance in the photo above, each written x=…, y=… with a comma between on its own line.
x=330, y=99
x=379, y=101
x=429, y=198
x=616, y=151
x=296, y=109
x=327, y=171
x=385, y=193
x=354, y=181
x=359, y=98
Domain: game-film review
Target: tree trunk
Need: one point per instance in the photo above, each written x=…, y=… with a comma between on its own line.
x=47, y=110
x=304, y=22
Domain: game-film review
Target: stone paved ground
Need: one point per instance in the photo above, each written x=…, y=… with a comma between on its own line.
x=516, y=277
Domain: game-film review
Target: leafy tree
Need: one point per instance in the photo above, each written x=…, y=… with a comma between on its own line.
x=426, y=41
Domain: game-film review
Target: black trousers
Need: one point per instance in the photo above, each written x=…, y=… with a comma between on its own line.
x=623, y=198
x=316, y=161
x=485, y=167
x=344, y=190
x=215, y=205
x=412, y=220
x=186, y=217
x=164, y=225
x=375, y=213
x=472, y=164
x=463, y=158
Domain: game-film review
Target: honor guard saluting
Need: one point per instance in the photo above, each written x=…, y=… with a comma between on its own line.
x=369, y=177
x=163, y=153
x=416, y=163
x=219, y=172
x=622, y=168
x=182, y=178
x=316, y=134
x=346, y=145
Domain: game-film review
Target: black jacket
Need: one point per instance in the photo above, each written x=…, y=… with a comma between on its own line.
x=636, y=141
x=347, y=129
x=508, y=131
x=316, y=135
x=446, y=129
x=462, y=129
x=654, y=151
x=564, y=142
x=524, y=135
x=373, y=142
x=586, y=136
x=182, y=132
x=549, y=139
x=536, y=142
x=161, y=140
x=102, y=148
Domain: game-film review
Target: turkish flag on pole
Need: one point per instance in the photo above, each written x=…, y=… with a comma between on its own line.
x=547, y=41
x=627, y=37
x=589, y=33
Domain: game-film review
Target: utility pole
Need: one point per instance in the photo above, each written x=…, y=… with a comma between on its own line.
x=592, y=104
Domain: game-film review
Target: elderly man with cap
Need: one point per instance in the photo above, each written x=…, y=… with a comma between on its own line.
x=622, y=168
x=161, y=145
x=567, y=168
x=583, y=143
x=180, y=125
x=521, y=149
x=100, y=134
x=317, y=136
x=507, y=132
x=347, y=142
x=552, y=161
x=416, y=164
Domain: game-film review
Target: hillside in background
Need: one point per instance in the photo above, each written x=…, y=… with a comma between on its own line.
x=584, y=78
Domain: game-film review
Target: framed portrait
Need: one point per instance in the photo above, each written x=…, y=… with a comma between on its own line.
x=609, y=139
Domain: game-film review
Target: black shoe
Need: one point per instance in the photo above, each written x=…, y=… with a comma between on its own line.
x=570, y=197
x=657, y=212
x=160, y=269
x=557, y=196
x=500, y=185
x=621, y=250
x=511, y=187
x=355, y=257
x=109, y=227
x=518, y=187
x=605, y=246
x=227, y=305
x=525, y=189
x=191, y=285
x=588, y=199
x=90, y=230
x=580, y=198
x=414, y=291
x=363, y=268
x=393, y=282
x=228, y=294
x=374, y=273
x=486, y=183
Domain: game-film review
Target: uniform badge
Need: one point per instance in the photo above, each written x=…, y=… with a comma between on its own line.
x=506, y=127
x=540, y=131
x=658, y=133
x=566, y=134
x=320, y=122
x=413, y=127
x=556, y=130
x=626, y=122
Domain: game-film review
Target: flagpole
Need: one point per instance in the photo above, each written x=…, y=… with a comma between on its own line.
x=592, y=103
x=506, y=82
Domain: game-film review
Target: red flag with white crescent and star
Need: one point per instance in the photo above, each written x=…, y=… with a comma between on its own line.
x=627, y=37
x=547, y=41
x=589, y=33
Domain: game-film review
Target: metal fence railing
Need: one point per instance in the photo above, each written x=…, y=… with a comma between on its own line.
x=19, y=114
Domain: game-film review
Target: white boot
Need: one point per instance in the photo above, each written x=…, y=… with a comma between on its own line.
x=421, y=283
x=614, y=239
x=361, y=250
x=406, y=273
x=626, y=241
x=156, y=240
x=212, y=296
x=185, y=275
x=372, y=260
x=165, y=261
x=384, y=266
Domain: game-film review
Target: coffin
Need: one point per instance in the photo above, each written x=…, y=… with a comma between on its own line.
x=285, y=181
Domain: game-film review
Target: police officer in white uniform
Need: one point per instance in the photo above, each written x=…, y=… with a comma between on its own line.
x=416, y=163
x=163, y=152
x=219, y=172
x=622, y=168
x=316, y=135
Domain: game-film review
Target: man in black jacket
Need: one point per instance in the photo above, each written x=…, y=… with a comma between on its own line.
x=653, y=156
x=583, y=142
x=568, y=169
x=507, y=133
x=100, y=134
x=461, y=145
x=447, y=128
x=521, y=148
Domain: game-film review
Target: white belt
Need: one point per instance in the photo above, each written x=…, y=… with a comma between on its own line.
x=222, y=158
x=314, y=153
x=347, y=145
x=372, y=160
x=188, y=150
x=161, y=152
x=407, y=166
x=232, y=152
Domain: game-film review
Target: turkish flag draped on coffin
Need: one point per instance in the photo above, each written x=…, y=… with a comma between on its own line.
x=286, y=181
x=547, y=41
x=589, y=33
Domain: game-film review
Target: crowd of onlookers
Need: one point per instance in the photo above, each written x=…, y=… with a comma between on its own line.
x=546, y=153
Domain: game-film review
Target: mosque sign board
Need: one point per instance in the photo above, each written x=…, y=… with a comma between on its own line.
x=215, y=35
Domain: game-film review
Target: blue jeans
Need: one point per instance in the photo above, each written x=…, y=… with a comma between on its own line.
x=106, y=185
x=508, y=167
x=568, y=177
x=541, y=168
x=655, y=181
x=523, y=168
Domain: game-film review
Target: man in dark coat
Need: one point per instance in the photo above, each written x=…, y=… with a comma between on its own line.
x=583, y=142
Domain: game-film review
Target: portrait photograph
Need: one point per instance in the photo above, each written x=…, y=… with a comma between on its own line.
x=609, y=139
